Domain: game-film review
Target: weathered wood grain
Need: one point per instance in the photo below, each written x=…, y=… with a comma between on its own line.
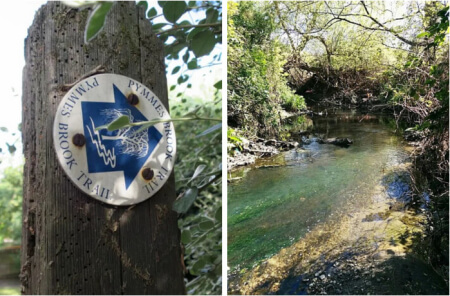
x=73, y=244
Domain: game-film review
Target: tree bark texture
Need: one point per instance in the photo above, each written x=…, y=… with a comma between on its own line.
x=72, y=243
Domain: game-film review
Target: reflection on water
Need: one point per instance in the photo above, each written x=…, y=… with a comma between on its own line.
x=270, y=208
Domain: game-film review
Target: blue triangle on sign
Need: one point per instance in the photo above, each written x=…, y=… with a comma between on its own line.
x=121, y=150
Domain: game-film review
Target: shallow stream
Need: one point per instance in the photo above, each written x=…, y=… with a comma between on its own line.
x=297, y=202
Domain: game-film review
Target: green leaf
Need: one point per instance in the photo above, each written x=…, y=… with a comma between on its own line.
x=96, y=20
x=192, y=64
x=194, y=32
x=3, y=129
x=207, y=225
x=162, y=3
x=218, y=215
x=178, y=47
x=173, y=87
x=179, y=94
x=168, y=49
x=423, y=34
x=182, y=79
x=189, y=85
x=195, y=270
x=164, y=37
x=218, y=269
x=218, y=84
x=211, y=15
x=192, y=3
x=186, y=56
x=198, y=171
x=11, y=148
x=119, y=123
x=203, y=43
x=176, y=69
x=143, y=3
x=430, y=82
x=173, y=10
x=186, y=236
x=183, y=204
x=183, y=23
x=210, y=130
x=152, y=12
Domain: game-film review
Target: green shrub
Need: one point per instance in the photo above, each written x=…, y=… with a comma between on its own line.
x=293, y=102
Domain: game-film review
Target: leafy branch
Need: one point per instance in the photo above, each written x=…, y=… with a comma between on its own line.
x=178, y=27
x=124, y=122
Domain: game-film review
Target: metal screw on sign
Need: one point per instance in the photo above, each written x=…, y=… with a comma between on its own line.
x=148, y=174
x=79, y=140
x=133, y=99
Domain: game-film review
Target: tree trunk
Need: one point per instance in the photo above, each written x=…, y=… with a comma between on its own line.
x=72, y=243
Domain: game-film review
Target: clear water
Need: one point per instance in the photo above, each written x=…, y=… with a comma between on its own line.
x=270, y=208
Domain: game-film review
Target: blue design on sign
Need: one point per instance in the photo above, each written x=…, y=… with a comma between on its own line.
x=122, y=150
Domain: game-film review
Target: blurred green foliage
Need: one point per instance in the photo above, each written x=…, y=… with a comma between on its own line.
x=198, y=172
x=9, y=291
x=11, y=206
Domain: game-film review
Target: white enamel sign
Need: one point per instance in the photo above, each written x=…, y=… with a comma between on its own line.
x=121, y=167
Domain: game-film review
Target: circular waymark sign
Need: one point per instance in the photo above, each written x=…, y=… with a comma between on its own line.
x=120, y=167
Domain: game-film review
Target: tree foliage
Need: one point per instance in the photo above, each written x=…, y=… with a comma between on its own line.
x=198, y=173
x=257, y=88
x=348, y=47
x=11, y=206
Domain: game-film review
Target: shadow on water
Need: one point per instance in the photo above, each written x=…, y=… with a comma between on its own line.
x=396, y=275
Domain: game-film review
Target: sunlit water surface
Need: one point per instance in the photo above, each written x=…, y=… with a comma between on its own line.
x=270, y=208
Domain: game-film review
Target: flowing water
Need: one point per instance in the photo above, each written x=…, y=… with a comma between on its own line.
x=313, y=188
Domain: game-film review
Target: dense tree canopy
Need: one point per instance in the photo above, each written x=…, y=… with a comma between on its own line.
x=256, y=84
x=351, y=51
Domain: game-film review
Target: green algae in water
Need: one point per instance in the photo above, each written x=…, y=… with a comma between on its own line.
x=271, y=208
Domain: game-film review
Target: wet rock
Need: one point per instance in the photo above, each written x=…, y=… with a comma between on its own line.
x=245, y=143
x=249, y=151
x=341, y=142
x=271, y=142
x=240, y=159
x=283, y=145
x=412, y=135
x=288, y=145
x=306, y=140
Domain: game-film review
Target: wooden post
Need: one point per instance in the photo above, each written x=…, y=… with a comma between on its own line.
x=73, y=244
